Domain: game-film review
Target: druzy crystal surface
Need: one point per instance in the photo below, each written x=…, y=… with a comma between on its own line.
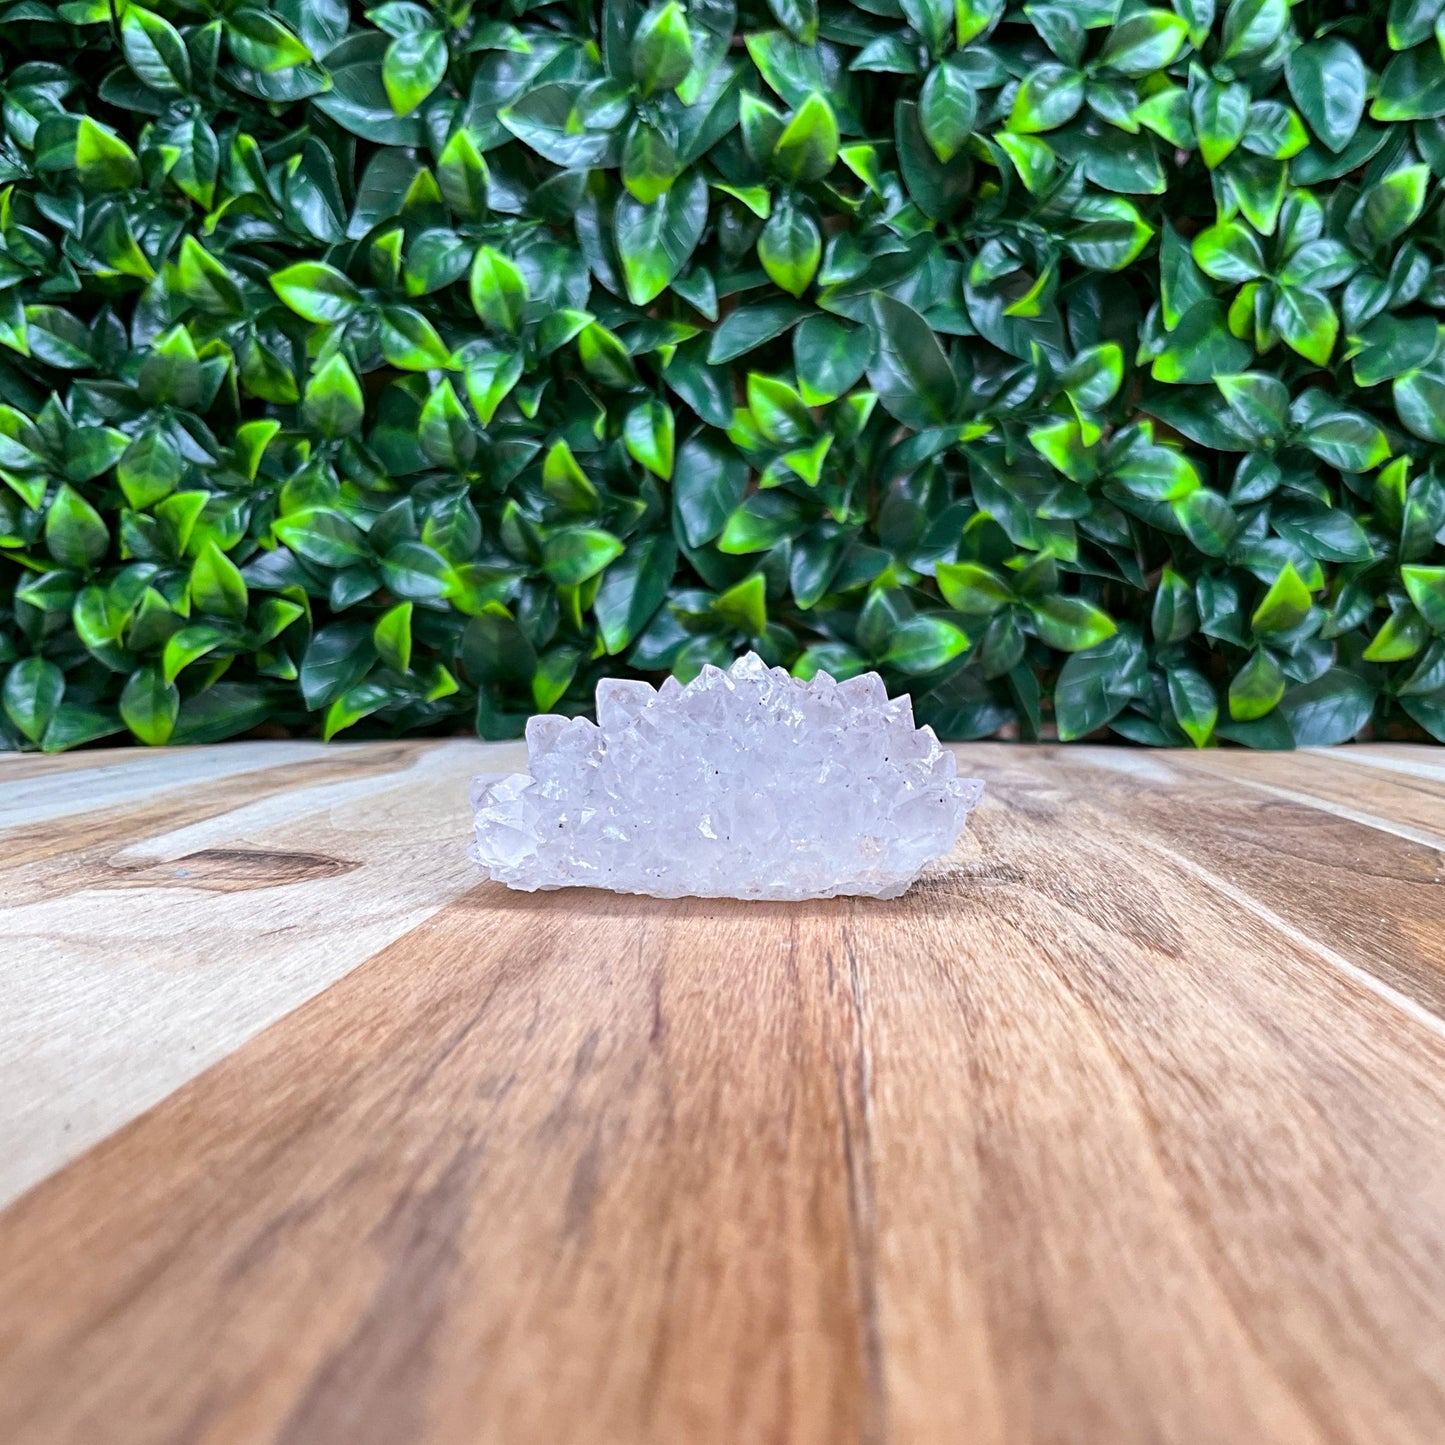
x=743, y=784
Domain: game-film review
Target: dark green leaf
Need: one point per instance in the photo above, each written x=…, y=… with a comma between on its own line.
x=909, y=370
x=414, y=66
x=1096, y=686
x=709, y=488
x=1329, y=710
x=1327, y=81
x=656, y=241
x=32, y=692
x=633, y=588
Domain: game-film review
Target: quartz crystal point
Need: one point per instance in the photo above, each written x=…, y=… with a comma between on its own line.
x=743, y=784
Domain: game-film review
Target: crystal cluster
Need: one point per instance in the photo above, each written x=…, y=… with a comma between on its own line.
x=743, y=784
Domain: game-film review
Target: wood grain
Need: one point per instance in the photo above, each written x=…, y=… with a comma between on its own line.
x=161, y=923
x=1126, y=1125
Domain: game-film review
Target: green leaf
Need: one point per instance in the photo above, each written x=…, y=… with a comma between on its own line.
x=498, y=290
x=1426, y=586
x=490, y=374
x=461, y=174
x=1403, y=634
x=711, y=479
x=1392, y=346
x=1327, y=81
x=1200, y=348
x=149, y=469
x=947, y=108
x=1252, y=26
x=762, y=521
x=410, y=342
x=1096, y=685
x=830, y=356
x=573, y=554
x=970, y=588
x=934, y=20
x=1071, y=624
x=1174, y=615
x=337, y=658
x=316, y=291
x=633, y=588
x=1260, y=401
x=1049, y=97
x=414, y=66
x=217, y=587
x=924, y=644
x=555, y=671
x=661, y=49
x=778, y=410
x=566, y=484
x=261, y=42
x=909, y=370
x=656, y=241
x=392, y=636
x=1284, y=606
x=1326, y=532
x=104, y=161
x=1256, y=688
x=648, y=434
x=1342, y=437
x=749, y=327
x=332, y=402
x=790, y=247
x=75, y=724
x=605, y=358
x=1391, y=206
x=1208, y=520
x=1220, y=114
x=1411, y=22
x=323, y=536
x=150, y=705
x=33, y=691
x=1148, y=41
x=1329, y=710
x=808, y=147
x=1195, y=707
x=1181, y=282
x=1419, y=398
x=354, y=704
x=744, y=606
x=650, y=162
x=417, y=571
x=1412, y=87
x=1229, y=252
x=444, y=431
x=1307, y=323
x=798, y=17
x=75, y=533
x=1094, y=377
x=187, y=646
x=155, y=51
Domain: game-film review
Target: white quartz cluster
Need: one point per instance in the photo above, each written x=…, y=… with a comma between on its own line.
x=743, y=784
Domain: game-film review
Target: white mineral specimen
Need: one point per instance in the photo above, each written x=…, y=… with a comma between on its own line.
x=743, y=784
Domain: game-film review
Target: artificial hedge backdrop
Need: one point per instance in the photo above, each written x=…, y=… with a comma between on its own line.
x=1074, y=363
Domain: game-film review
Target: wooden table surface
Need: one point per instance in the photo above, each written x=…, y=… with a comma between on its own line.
x=1127, y=1124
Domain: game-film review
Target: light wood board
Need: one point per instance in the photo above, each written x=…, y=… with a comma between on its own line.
x=1126, y=1125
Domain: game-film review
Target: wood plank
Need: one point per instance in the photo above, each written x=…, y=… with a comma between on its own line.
x=160, y=929
x=1094, y=1136
x=1360, y=889
x=1410, y=803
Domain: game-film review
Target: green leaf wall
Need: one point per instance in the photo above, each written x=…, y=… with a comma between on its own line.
x=1077, y=364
